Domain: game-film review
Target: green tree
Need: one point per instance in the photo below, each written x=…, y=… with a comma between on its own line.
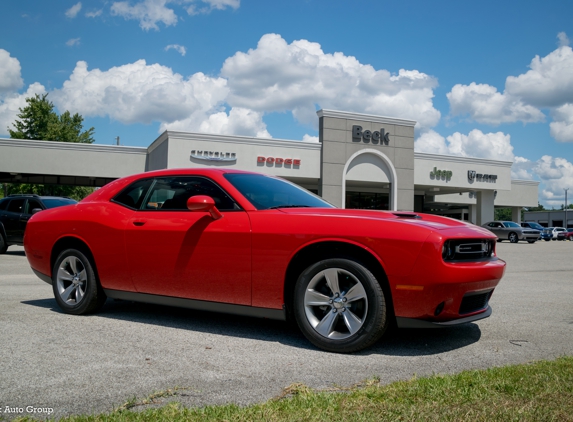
x=39, y=121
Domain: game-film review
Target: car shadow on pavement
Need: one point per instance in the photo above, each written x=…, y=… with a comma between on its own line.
x=397, y=342
x=15, y=253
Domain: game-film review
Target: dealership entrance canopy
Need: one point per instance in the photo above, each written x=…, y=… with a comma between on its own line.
x=360, y=161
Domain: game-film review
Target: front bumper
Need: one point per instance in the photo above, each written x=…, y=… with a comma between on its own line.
x=419, y=323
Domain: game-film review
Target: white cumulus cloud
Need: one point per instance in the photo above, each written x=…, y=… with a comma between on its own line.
x=561, y=128
x=239, y=121
x=147, y=12
x=299, y=77
x=549, y=83
x=494, y=146
x=207, y=6
x=484, y=104
x=179, y=48
x=73, y=11
x=556, y=174
x=10, y=73
x=138, y=92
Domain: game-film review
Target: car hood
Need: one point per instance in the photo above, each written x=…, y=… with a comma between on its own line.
x=429, y=221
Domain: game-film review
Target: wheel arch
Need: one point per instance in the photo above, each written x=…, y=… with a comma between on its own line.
x=72, y=242
x=319, y=251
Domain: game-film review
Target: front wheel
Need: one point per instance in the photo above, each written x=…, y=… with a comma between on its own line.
x=339, y=306
x=513, y=237
x=531, y=241
x=75, y=285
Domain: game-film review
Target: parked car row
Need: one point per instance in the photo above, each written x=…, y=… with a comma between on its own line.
x=529, y=231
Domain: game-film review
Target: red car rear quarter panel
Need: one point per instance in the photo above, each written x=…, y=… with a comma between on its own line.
x=98, y=225
x=278, y=235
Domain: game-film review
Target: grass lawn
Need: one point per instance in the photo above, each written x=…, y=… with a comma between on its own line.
x=540, y=391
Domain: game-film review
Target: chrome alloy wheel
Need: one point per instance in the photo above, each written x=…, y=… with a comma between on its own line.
x=335, y=303
x=71, y=280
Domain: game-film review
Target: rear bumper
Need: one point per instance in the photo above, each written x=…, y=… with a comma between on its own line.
x=43, y=277
x=419, y=323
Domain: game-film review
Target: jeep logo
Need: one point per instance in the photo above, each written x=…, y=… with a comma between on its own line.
x=370, y=137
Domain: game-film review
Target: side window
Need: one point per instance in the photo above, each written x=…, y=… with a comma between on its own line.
x=4, y=204
x=134, y=194
x=31, y=204
x=16, y=205
x=172, y=193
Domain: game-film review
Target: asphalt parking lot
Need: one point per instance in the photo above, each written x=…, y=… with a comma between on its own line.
x=88, y=364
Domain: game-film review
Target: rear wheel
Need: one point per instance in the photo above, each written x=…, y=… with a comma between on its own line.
x=513, y=237
x=531, y=241
x=339, y=306
x=75, y=285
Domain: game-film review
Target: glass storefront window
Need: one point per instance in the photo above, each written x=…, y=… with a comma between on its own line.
x=367, y=200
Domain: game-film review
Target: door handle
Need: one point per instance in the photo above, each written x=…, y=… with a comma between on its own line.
x=138, y=223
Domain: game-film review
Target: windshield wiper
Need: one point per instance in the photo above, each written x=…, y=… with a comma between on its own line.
x=288, y=206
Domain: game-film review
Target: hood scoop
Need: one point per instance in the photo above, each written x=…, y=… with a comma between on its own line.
x=406, y=215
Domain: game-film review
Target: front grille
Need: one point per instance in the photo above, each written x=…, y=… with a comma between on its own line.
x=536, y=232
x=473, y=302
x=467, y=249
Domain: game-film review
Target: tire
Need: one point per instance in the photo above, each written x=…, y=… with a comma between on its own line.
x=339, y=306
x=531, y=241
x=3, y=244
x=513, y=237
x=548, y=240
x=76, y=288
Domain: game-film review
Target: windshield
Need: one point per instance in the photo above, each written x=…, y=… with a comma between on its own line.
x=535, y=226
x=510, y=224
x=57, y=202
x=266, y=192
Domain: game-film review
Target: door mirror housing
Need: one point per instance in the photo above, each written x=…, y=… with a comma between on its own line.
x=204, y=203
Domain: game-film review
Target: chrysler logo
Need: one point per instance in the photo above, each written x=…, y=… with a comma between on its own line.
x=214, y=155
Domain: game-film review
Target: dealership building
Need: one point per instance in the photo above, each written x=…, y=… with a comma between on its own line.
x=360, y=161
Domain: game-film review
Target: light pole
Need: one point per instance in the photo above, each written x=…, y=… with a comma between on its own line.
x=566, y=207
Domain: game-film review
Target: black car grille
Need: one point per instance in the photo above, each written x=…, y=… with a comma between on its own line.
x=467, y=249
x=473, y=302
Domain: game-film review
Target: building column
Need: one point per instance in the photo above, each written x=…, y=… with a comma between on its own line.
x=516, y=214
x=472, y=217
x=485, y=209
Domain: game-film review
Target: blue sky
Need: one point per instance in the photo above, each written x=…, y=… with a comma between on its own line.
x=490, y=79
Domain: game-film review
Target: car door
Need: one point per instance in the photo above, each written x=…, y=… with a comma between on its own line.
x=180, y=253
x=12, y=225
x=31, y=204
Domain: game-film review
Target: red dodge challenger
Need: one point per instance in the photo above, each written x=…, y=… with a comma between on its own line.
x=250, y=244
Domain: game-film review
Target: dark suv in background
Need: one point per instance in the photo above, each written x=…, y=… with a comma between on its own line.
x=16, y=210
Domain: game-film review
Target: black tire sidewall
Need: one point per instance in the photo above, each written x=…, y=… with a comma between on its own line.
x=376, y=320
x=94, y=295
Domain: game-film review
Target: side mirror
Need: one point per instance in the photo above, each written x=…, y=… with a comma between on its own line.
x=35, y=210
x=204, y=203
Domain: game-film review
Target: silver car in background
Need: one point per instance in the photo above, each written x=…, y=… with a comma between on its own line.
x=508, y=230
